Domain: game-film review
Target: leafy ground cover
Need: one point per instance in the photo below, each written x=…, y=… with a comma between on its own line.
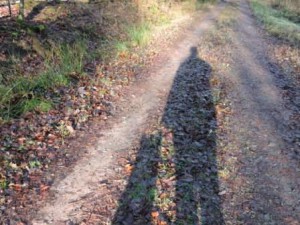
x=279, y=20
x=57, y=73
x=186, y=165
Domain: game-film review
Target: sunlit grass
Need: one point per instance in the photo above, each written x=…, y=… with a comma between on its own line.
x=22, y=94
x=277, y=22
x=121, y=46
x=290, y=6
x=140, y=35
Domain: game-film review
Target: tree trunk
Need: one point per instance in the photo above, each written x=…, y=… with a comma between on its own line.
x=21, y=12
x=9, y=8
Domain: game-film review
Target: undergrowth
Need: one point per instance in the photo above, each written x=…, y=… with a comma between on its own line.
x=61, y=62
x=22, y=94
x=279, y=21
x=139, y=35
x=290, y=8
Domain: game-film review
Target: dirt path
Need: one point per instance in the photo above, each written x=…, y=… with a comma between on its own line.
x=262, y=140
x=200, y=144
x=144, y=99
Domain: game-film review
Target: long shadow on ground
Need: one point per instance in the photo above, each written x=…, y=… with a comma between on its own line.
x=174, y=180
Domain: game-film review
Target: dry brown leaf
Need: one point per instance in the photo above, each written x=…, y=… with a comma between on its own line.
x=161, y=222
x=163, y=195
x=21, y=140
x=16, y=187
x=154, y=214
x=128, y=168
x=44, y=188
x=39, y=137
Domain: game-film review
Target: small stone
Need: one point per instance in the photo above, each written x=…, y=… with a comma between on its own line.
x=81, y=91
x=222, y=192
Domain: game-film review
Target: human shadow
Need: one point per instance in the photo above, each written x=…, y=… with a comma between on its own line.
x=190, y=117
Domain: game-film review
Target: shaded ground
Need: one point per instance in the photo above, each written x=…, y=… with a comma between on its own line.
x=178, y=161
x=259, y=152
x=125, y=132
x=35, y=145
x=210, y=137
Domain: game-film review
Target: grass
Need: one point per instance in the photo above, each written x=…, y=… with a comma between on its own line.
x=290, y=7
x=34, y=164
x=203, y=4
x=140, y=35
x=121, y=47
x=41, y=105
x=3, y=184
x=156, y=16
x=277, y=21
x=23, y=94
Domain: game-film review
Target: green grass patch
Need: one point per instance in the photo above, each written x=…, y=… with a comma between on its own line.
x=121, y=47
x=23, y=94
x=140, y=35
x=290, y=15
x=156, y=16
x=3, y=184
x=203, y=4
x=277, y=22
x=288, y=8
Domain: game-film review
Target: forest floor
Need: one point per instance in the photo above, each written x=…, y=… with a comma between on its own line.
x=208, y=134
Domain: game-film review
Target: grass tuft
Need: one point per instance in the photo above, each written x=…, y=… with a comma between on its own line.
x=36, y=104
x=140, y=34
x=121, y=47
x=24, y=94
x=277, y=22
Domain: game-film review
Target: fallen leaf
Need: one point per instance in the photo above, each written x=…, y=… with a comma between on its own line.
x=39, y=137
x=44, y=188
x=16, y=187
x=21, y=140
x=13, y=165
x=128, y=168
x=154, y=214
x=161, y=222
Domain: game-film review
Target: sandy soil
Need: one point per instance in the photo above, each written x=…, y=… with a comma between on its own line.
x=254, y=143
